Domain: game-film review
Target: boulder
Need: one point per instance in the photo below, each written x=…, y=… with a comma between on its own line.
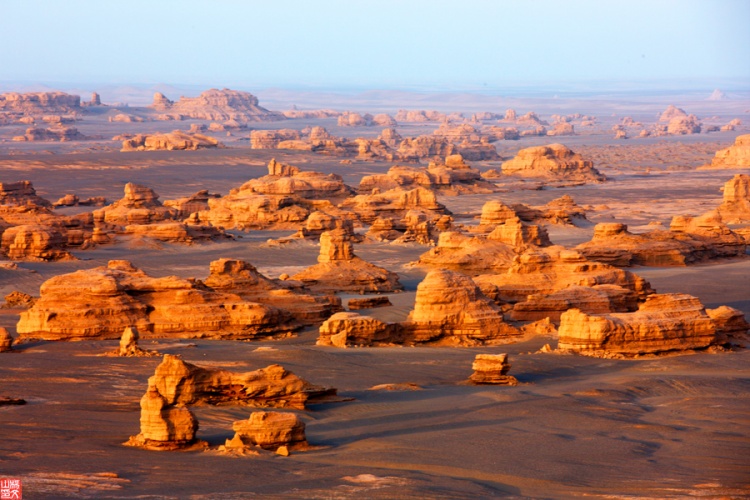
x=492, y=369
x=270, y=430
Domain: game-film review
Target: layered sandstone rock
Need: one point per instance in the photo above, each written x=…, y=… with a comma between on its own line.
x=320, y=222
x=243, y=279
x=52, y=134
x=176, y=232
x=100, y=303
x=71, y=200
x=39, y=103
x=181, y=383
x=492, y=369
x=426, y=146
x=554, y=162
x=218, y=105
x=21, y=194
x=684, y=125
x=664, y=323
x=129, y=345
x=689, y=240
x=394, y=203
x=349, y=119
x=450, y=308
x=671, y=113
x=19, y=299
x=139, y=205
x=164, y=426
x=270, y=430
x=470, y=255
x=368, y=303
x=314, y=113
x=543, y=283
x=735, y=156
x=191, y=204
x=348, y=329
x=418, y=116
x=6, y=341
x=338, y=269
x=453, y=176
x=562, y=128
x=270, y=139
x=35, y=242
x=287, y=180
x=176, y=140
x=736, y=205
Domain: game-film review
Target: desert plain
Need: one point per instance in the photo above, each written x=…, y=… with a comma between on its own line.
x=659, y=408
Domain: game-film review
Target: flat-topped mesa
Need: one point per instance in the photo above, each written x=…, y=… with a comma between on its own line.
x=563, y=210
x=181, y=383
x=664, y=323
x=519, y=235
x=39, y=103
x=414, y=227
x=270, y=430
x=451, y=177
x=736, y=205
x=100, y=303
x=471, y=144
x=554, y=162
x=450, y=307
x=689, y=240
x=543, y=283
x=735, y=156
x=218, y=105
x=287, y=180
x=60, y=133
x=469, y=255
x=243, y=279
x=35, y=242
x=394, y=203
x=492, y=369
x=21, y=194
x=139, y=205
x=338, y=269
x=176, y=140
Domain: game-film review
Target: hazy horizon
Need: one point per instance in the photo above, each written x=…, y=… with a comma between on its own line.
x=476, y=45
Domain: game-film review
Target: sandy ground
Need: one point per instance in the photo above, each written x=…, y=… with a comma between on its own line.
x=670, y=427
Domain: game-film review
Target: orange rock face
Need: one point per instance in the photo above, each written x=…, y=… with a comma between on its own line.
x=553, y=162
x=163, y=426
x=735, y=156
x=338, y=269
x=181, y=383
x=394, y=203
x=664, y=323
x=39, y=103
x=101, y=302
x=218, y=105
x=689, y=240
x=492, y=369
x=176, y=140
x=6, y=341
x=139, y=205
x=467, y=254
x=31, y=242
x=271, y=430
x=287, y=180
x=348, y=329
x=451, y=308
x=736, y=205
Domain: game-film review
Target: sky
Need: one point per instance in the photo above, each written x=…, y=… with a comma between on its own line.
x=373, y=44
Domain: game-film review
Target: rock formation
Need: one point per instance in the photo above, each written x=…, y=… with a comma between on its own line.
x=348, y=329
x=467, y=254
x=349, y=119
x=664, y=323
x=492, y=369
x=451, y=177
x=19, y=299
x=164, y=426
x=35, y=242
x=139, y=205
x=191, y=204
x=270, y=139
x=129, y=345
x=671, y=113
x=562, y=128
x=181, y=383
x=287, y=180
x=418, y=116
x=393, y=204
x=100, y=303
x=426, y=146
x=39, y=103
x=338, y=269
x=543, y=283
x=684, y=125
x=735, y=156
x=6, y=341
x=242, y=279
x=368, y=303
x=555, y=163
x=21, y=194
x=176, y=140
x=688, y=241
x=55, y=134
x=270, y=430
x=736, y=205
x=218, y=105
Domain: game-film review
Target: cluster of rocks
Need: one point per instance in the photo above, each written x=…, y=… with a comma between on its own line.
x=176, y=140
x=168, y=424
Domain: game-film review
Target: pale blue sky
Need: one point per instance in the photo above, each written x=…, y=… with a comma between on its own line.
x=368, y=43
